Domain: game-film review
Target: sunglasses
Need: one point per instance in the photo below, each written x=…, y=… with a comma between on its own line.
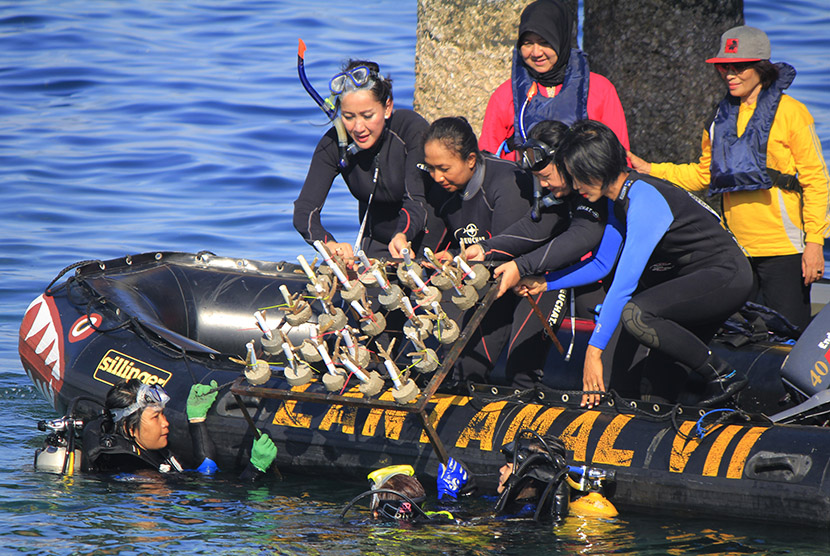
x=734, y=69
x=350, y=79
x=535, y=155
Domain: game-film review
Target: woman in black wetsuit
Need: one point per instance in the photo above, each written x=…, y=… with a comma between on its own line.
x=380, y=169
x=562, y=229
x=131, y=435
x=480, y=196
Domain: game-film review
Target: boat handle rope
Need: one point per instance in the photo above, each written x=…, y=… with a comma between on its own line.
x=48, y=291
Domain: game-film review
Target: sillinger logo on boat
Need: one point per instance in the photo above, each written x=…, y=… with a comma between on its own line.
x=116, y=366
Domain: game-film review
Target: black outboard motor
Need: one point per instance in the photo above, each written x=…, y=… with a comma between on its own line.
x=806, y=371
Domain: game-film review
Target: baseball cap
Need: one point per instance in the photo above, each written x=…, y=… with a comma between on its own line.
x=742, y=44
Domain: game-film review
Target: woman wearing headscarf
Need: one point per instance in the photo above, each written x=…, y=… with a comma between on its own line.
x=549, y=81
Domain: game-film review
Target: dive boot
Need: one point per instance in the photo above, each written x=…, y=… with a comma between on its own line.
x=723, y=381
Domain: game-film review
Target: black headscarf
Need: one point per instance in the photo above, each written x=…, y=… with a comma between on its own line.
x=553, y=21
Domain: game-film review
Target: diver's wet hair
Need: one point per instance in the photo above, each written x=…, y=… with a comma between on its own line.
x=381, y=86
x=550, y=132
x=456, y=135
x=404, y=484
x=120, y=396
x=591, y=153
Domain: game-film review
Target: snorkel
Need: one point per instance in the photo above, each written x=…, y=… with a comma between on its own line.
x=535, y=210
x=326, y=105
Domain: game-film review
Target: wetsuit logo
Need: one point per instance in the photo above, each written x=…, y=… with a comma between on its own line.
x=468, y=235
x=661, y=267
x=558, y=312
x=115, y=367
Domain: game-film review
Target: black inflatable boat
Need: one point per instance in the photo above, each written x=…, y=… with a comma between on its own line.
x=179, y=319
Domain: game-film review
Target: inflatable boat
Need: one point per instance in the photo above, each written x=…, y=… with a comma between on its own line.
x=177, y=319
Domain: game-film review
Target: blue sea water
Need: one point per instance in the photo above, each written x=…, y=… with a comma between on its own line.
x=136, y=126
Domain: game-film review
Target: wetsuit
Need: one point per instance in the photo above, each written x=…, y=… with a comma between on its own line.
x=389, y=170
x=771, y=224
x=498, y=194
x=680, y=275
x=106, y=451
x=566, y=232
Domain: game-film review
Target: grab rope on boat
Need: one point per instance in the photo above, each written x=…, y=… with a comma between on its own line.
x=49, y=290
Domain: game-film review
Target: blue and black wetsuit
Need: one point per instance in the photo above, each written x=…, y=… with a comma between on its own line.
x=679, y=275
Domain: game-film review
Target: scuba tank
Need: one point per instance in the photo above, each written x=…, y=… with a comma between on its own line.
x=58, y=454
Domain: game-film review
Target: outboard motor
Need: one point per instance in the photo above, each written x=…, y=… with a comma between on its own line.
x=806, y=370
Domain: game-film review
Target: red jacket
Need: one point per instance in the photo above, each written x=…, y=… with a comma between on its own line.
x=603, y=105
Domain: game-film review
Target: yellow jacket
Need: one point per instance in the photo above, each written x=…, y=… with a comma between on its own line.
x=768, y=222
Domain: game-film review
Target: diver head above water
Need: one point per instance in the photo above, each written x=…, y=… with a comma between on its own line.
x=396, y=494
x=534, y=474
x=137, y=412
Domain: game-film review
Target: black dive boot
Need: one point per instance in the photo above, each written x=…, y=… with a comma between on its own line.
x=723, y=381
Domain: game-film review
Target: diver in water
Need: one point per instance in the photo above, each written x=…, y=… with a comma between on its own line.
x=532, y=480
x=397, y=496
x=131, y=434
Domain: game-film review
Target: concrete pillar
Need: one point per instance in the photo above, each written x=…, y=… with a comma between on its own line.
x=654, y=52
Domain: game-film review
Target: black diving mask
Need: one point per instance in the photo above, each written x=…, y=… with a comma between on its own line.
x=535, y=154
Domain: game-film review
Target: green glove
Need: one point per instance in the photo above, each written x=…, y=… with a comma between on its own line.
x=200, y=400
x=263, y=452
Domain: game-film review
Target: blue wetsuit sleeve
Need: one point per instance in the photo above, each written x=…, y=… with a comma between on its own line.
x=597, y=266
x=648, y=218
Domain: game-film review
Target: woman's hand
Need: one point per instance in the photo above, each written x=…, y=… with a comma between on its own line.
x=812, y=263
x=531, y=285
x=474, y=252
x=342, y=250
x=398, y=244
x=509, y=273
x=638, y=163
x=592, y=377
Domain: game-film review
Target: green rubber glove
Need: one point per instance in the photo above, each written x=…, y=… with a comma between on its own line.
x=200, y=400
x=263, y=452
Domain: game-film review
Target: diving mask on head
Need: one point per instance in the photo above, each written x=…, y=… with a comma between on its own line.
x=379, y=477
x=148, y=396
x=399, y=508
x=535, y=154
x=538, y=464
x=351, y=79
